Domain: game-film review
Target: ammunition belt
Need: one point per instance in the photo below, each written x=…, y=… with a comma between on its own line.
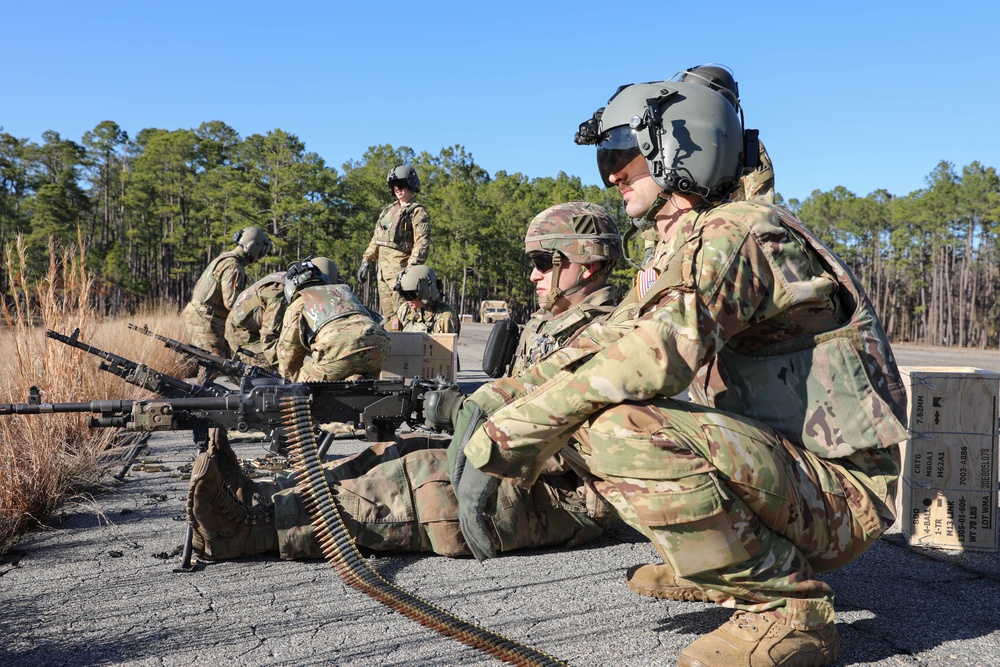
x=339, y=549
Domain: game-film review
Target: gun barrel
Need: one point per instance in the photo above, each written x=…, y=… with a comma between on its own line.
x=47, y=408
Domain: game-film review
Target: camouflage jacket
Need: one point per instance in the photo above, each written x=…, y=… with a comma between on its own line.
x=402, y=235
x=255, y=320
x=545, y=332
x=435, y=317
x=312, y=308
x=220, y=283
x=781, y=328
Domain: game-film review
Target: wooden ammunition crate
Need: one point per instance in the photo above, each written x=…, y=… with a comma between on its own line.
x=948, y=490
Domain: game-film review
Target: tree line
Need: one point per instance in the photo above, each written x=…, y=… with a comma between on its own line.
x=154, y=209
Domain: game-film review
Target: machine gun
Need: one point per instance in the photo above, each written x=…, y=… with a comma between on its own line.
x=234, y=368
x=379, y=406
x=138, y=374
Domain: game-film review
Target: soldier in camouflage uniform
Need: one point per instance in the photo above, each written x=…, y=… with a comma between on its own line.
x=398, y=496
x=402, y=238
x=422, y=309
x=255, y=320
x=254, y=323
x=573, y=249
x=217, y=288
x=327, y=322
x=785, y=463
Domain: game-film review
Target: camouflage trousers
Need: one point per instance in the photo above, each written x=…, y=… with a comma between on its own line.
x=206, y=331
x=735, y=507
x=389, y=300
x=397, y=496
x=345, y=351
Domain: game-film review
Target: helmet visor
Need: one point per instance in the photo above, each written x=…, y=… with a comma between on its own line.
x=618, y=148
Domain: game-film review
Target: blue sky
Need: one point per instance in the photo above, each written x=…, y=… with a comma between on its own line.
x=866, y=95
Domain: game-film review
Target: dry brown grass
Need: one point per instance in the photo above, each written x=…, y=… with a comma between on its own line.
x=47, y=459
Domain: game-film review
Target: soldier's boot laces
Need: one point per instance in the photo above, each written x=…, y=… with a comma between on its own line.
x=757, y=640
x=225, y=528
x=659, y=581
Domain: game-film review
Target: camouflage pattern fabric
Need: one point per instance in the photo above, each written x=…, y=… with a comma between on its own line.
x=544, y=332
x=330, y=325
x=758, y=185
x=214, y=293
x=397, y=496
x=254, y=323
x=402, y=238
x=753, y=305
x=434, y=318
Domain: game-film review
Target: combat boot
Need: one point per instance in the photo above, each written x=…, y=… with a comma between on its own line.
x=229, y=466
x=757, y=640
x=225, y=528
x=659, y=581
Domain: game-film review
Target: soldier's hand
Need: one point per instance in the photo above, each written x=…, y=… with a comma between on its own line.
x=441, y=407
x=363, y=270
x=474, y=489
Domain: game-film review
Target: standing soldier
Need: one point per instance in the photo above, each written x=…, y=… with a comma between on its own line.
x=422, y=308
x=217, y=288
x=327, y=322
x=402, y=238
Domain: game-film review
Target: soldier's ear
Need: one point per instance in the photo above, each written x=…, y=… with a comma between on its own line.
x=592, y=268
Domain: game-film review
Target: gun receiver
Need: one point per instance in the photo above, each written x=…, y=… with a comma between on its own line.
x=234, y=368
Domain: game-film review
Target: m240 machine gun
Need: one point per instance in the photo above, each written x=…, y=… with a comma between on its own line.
x=234, y=368
x=378, y=406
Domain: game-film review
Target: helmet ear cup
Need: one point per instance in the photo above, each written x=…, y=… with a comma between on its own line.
x=300, y=274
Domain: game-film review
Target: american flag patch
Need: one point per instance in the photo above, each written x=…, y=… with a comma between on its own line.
x=645, y=279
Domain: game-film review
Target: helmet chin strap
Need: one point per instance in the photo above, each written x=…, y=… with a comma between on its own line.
x=548, y=301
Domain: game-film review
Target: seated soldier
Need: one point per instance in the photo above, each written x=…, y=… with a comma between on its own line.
x=328, y=323
x=561, y=509
x=422, y=308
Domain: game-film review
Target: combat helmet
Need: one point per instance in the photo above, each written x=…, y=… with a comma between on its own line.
x=579, y=231
x=405, y=173
x=418, y=281
x=254, y=241
x=301, y=274
x=690, y=135
x=328, y=268
x=757, y=182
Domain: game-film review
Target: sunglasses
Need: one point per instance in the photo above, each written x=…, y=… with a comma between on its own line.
x=541, y=261
x=408, y=295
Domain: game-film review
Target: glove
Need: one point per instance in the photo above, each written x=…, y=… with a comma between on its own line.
x=473, y=489
x=363, y=270
x=441, y=408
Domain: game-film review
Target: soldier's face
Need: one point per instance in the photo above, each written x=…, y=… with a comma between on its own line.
x=636, y=186
x=569, y=275
x=403, y=193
